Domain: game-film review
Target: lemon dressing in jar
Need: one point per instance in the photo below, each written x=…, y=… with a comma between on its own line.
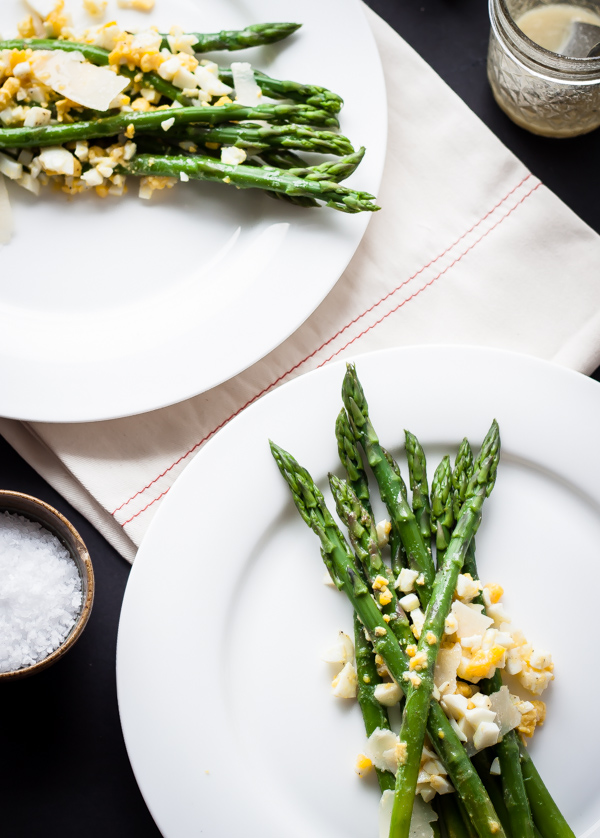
x=535, y=83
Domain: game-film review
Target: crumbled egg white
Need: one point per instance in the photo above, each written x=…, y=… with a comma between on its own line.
x=406, y=580
x=345, y=684
x=467, y=588
x=410, y=602
x=9, y=167
x=342, y=651
x=383, y=529
x=388, y=694
x=232, y=156
x=418, y=618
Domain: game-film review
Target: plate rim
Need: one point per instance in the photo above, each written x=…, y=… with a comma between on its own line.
x=73, y=392
x=286, y=393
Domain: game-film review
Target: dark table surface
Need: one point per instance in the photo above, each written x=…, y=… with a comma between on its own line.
x=66, y=771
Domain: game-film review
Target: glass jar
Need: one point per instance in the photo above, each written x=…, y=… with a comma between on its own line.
x=542, y=91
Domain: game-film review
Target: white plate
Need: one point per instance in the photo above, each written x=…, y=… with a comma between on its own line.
x=225, y=703
x=121, y=306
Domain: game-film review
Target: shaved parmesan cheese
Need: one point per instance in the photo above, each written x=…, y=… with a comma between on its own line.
x=247, y=91
x=6, y=217
x=445, y=667
x=470, y=620
x=68, y=74
x=209, y=82
x=507, y=715
x=420, y=824
x=384, y=749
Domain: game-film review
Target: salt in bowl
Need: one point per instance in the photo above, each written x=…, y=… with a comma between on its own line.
x=44, y=514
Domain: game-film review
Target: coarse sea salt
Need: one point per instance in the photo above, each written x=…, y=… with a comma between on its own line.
x=40, y=592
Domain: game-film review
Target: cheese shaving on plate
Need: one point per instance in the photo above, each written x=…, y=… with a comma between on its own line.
x=68, y=74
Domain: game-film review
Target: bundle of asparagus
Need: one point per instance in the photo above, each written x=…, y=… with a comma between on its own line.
x=513, y=800
x=72, y=104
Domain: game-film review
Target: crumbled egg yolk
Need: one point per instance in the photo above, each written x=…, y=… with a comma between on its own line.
x=482, y=664
x=533, y=715
x=385, y=597
x=363, y=765
x=419, y=661
x=494, y=592
x=58, y=22
x=380, y=583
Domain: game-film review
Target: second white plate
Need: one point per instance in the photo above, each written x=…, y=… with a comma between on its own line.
x=226, y=707
x=119, y=306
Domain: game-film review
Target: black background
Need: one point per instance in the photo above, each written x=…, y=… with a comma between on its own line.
x=65, y=770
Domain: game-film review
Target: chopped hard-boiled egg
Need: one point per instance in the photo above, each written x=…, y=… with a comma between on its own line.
x=363, y=765
x=406, y=580
x=74, y=78
x=342, y=651
x=344, y=684
x=388, y=693
x=383, y=529
x=232, y=155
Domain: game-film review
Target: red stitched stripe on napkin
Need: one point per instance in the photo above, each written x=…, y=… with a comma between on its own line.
x=342, y=330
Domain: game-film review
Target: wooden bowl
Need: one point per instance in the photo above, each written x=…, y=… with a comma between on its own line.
x=57, y=524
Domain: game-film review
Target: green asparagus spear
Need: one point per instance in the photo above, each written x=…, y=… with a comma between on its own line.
x=374, y=714
x=417, y=470
x=412, y=734
x=340, y=562
x=399, y=557
x=392, y=490
x=97, y=55
x=259, y=137
x=546, y=814
x=449, y=814
x=363, y=537
x=351, y=460
x=515, y=802
x=461, y=474
x=482, y=762
x=309, y=94
x=442, y=517
x=111, y=126
x=286, y=160
x=336, y=171
x=256, y=35
x=468, y=826
x=249, y=177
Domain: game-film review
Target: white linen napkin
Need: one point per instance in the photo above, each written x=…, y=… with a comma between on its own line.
x=470, y=248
